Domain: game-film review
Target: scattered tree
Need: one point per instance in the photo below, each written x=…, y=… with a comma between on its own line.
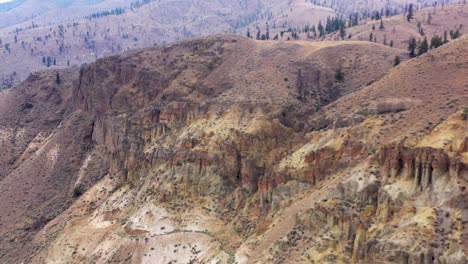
x=339, y=74
x=423, y=47
x=397, y=61
x=410, y=13
x=436, y=42
x=412, y=46
x=342, y=31
x=57, y=78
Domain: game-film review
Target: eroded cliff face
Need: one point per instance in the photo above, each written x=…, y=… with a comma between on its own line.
x=398, y=205
x=204, y=152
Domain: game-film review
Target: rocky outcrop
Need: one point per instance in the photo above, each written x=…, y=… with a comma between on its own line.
x=423, y=166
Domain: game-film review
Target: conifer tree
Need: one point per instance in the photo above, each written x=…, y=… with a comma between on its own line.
x=436, y=42
x=410, y=13
x=423, y=47
x=57, y=78
x=342, y=31
x=339, y=74
x=412, y=47
x=397, y=61
x=320, y=29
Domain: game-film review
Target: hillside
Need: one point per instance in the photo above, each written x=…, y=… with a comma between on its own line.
x=224, y=149
x=52, y=11
x=427, y=22
x=401, y=199
x=67, y=33
x=73, y=42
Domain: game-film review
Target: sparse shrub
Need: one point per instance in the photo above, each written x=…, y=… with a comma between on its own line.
x=78, y=191
x=28, y=106
x=465, y=113
x=387, y=107
x=339, y=74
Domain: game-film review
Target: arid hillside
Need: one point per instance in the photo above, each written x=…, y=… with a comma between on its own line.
x=225, y=149
x=81, y=32
x=72, y=42
x=15, y=12
x=397, y=30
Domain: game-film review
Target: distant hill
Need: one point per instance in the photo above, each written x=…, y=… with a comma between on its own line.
x=396, y=30
x=29, y=47
x=10, y=5
x=69, y=33
x=52, y=11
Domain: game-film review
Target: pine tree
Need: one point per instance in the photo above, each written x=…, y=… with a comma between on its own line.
x=320, y=29
x=436, y=42
x=455, y=34
x=267, y=31
x=423, y=47
x=397, y=61
x=342, y=31
x=382, y=27
x=57, y=78
x=339, y=74
x=377, y=16
x=410, y=13
x=412, y=47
